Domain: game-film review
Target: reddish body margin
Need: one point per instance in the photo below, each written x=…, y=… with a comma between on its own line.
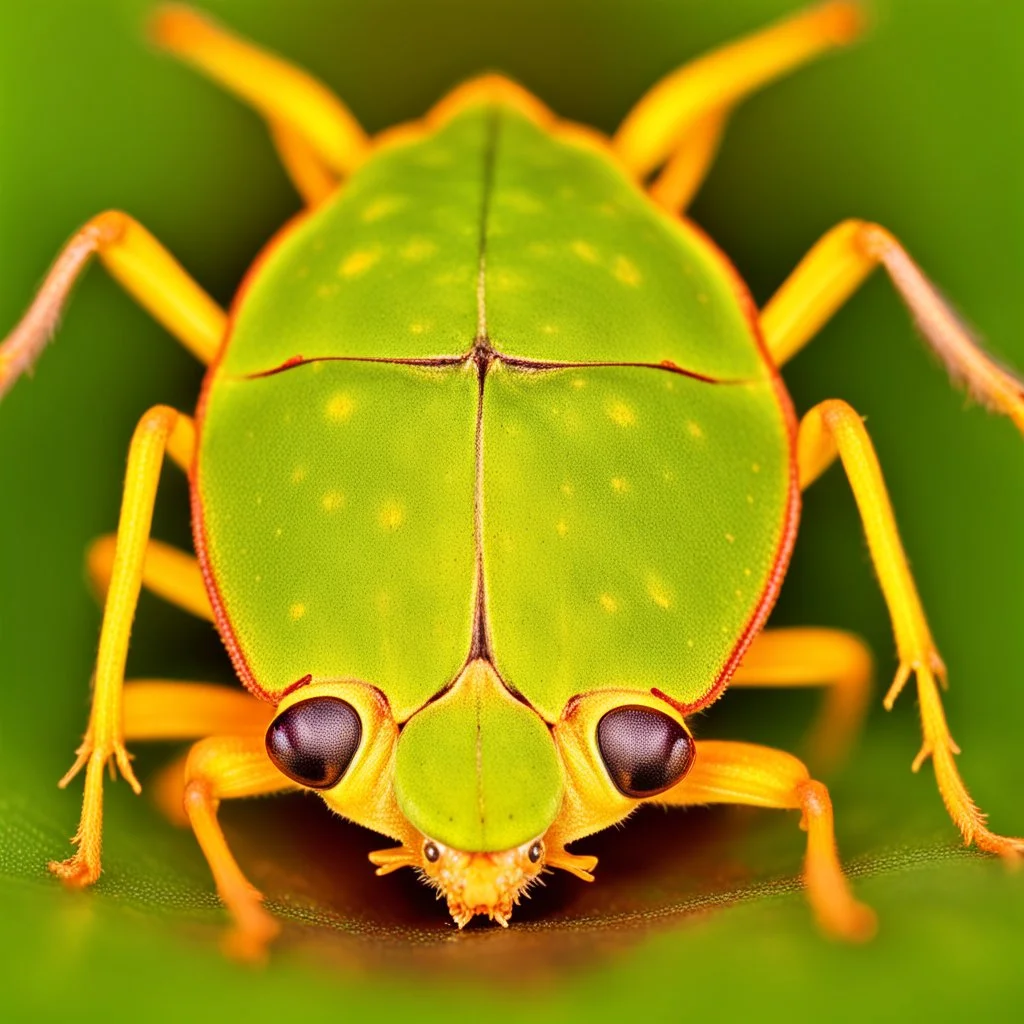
x=783, y=551
x=792, y=517
x=220, y=615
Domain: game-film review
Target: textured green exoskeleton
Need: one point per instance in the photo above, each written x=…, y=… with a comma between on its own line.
x=494, y=481
x=489, y=400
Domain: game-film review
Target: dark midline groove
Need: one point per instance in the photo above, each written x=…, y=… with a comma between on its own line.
x=480, y=646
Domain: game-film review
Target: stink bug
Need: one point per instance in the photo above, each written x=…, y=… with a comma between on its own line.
x=494, y=482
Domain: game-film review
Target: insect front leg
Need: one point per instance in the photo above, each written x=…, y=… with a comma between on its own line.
x=147, y=271
x=743, y=773
x=681, y=119
x=318, y=139
x=160, y=430
x=834, y=428
x=223, y=768
x=836, y=267
x=815, y=657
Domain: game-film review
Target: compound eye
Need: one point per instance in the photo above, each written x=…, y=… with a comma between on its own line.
x=644, y=750
x=314, y=741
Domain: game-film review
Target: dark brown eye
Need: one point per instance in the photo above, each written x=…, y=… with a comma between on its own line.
x=535, y=852
x=314, y=741
x=645, y=751
x=431, y=852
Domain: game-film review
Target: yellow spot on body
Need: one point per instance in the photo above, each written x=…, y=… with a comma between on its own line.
x=417, y=249
x=506, y=281
x=332, y=501
x=756, y=467
x=561, y=527
x=278, y=532
x=689, y=643
x=296, y=612
x=358, y=262
x=658, y=591
x=391, y=515
x=621, y=414
x=419, y=328
x=730, y=538
x=626, y=271
x=579, y=382
x=585, y=251
x=608, y=603
x=382, y=207
x=620, y=485
x=340, y=407
x=549, y=329
x=566, y=489
x=750, y=499
x=746, y=572
x=739, y=593
x=325, y=291
x=521, y=201
x=694, y=429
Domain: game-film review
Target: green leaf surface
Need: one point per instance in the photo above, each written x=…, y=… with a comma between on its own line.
x=694, y=914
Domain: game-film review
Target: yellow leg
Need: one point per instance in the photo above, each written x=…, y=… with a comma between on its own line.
x=837, y=265
x=104, y=738
x=831, y=429
x=167, y=572
x=145, y=269
x=222, y=768
x=742, y=773
x=668, y=116
x=318, y=138
x=161, y=709
x=165, y=709
x=816, y=657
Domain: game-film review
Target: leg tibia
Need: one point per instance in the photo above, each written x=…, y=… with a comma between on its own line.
x=833, y=270
x=104, y=738
x=289, y=98
x=742, y=773
x=147, y=271
x=831, y=429
x=668, y=112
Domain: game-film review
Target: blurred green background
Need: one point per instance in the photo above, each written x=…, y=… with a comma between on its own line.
x=918, y=127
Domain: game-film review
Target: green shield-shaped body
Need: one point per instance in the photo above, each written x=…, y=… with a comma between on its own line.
x=490, y=403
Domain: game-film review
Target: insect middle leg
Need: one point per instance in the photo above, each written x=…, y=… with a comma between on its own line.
x=146, y=270
x=815, y=657
x=834, y=429
x=743, y=773
x=160, y=429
